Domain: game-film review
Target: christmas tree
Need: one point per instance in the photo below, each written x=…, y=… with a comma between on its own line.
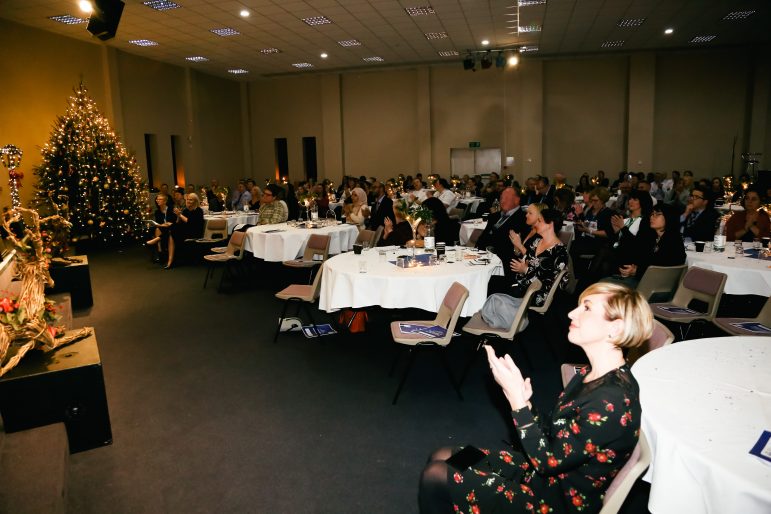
x=89, y=173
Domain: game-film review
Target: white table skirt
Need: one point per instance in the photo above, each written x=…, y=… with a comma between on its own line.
x=473, y=200
x=468, y=226
x=235, y=219
x=391, y=287
x=745, y=275
x=705, y=403
x=289, y=242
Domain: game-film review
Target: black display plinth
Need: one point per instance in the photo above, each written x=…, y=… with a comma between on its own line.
x=74, y=279
x=65, y=385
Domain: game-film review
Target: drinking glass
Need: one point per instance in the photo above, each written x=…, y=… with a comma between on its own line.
x=362, y=266
x=739, y=249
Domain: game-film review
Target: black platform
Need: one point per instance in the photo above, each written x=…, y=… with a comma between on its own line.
x=74, y=279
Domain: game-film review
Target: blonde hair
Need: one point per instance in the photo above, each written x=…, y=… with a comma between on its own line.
x=195, y=199
x=630, y=307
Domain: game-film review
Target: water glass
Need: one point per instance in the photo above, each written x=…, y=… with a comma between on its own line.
x=739, y=249
x=381, y=255
x=401, y=262
x=432, y=260
x=362, y=266
x=708, y=247
x=458, y=251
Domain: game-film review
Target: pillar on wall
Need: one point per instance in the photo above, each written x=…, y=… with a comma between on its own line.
x=641, y=112
x=193, y=171
x=532, y=118
x=113, y=109
x=760, y=111
x=423, y=89
x=331, y=151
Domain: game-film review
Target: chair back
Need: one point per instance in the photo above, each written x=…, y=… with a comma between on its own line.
x=568, y=371
x=318, y=244
x=621, y=485
x=365, y=236
x=474, y=237
x=701, y=284
x=316, y=285
x=764, y=316
x=236, y=245
x=378, y=235
x=521, y=317
x=449, y=310
x=216, y=229
x=566, y=236
x=545, y=307
x=661, y=336
x=660, y=279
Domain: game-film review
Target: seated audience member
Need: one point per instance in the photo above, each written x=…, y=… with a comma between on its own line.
x=584, y=184
x=271, y=210
x=563, y=203
x=644, y=185
x=397, y=232
x=445, y=229
x=545, y=191
x=496, y=232
x=254, y=202
x=357, y=212
x=321, y=198
x=532, y=215
x=444, y=194
x=593, y=229
x=213, y=200
x=382, y=208
x=631, y=235
x=661, y=246
x=529, y=195
x=240, y=197
x=164, y=217
x=544, y=259
x=751, y=223
x=178, y=199
x=418, y=193
x=601, y=181
x=289, y=202
x=716, y=188
x=565, y=460
x=699, y=219
x=620, y=204
x=189, y=225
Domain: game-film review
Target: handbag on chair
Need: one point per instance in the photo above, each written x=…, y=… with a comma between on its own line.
x=352, y=320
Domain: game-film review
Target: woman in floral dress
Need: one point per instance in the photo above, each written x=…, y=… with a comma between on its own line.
x=571, y=457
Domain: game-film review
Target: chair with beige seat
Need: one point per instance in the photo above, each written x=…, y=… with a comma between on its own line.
x=631, y=471
x=763, y=318
x=303, y=295
x=447, y=317
x=233, y=254
x=662, y=280
x=316, y=252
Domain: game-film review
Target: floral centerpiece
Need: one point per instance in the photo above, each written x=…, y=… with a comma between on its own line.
x=415, y=214
x=27, y=321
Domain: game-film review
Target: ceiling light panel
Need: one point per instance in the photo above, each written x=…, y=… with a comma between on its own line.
x=302, y=65
x=161, y=5
x=349, y=42
x=528, y=49
x=374, y=58
x=612, y=44
x=238, y=71
x=317, y=20
x=530, y=3
x=630, y=22
x=143, y=42
x=225, y=32
x=702, y=39
x=436, y=35
x=420, y=11
x=738, y=15
x=268, y=51
x=448, y=53
x=67, y=19
x=524, y=29
x=196, y=58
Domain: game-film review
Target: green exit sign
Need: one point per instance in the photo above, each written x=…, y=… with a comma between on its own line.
x=474, y=144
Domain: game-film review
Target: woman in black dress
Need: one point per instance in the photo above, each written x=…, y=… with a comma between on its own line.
x=164, y=218
x=568, y=459
x=189, y=225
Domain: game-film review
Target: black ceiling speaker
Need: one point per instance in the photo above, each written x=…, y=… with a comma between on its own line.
x=104, y=20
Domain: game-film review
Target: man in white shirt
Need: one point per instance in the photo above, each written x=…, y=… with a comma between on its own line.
x=418, y=194
x=444, y=194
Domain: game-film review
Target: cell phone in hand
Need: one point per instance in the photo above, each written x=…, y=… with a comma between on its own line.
x=466, y=457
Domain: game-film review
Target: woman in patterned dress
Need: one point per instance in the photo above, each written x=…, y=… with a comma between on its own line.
x=571, y=457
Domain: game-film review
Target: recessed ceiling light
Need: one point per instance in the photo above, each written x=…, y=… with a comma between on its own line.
x=270, y=51
x=225, y=32
x=528, y=28
x=738, y=15
x=485, y=42
x=668, y=31
x=317, y=20
x=612, y=44
x=302, y=65
x=630, y=22
x=85, y=6
x=436, y=35
x=513, y=60
x=374, y=58
x=526, y=49
x=702, y=39
x=448, y=53
x=161, y=5
x=67, y=19
x=143, y=42
x=528, y=3
x=420, y=11
x=238, y=71
x=196, y=58
x=324, y=55
x=244, y=13
x=349, y=42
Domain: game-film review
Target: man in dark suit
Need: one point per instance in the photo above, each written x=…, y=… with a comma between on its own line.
x=545, y=191
x=496, y=233
x=382, y=207
x=699, y=219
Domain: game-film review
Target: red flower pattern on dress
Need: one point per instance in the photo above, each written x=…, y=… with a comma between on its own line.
x=567, y=449
x=526, y=489
x=589, y=447
x=458, y=477
x=609, y=406
x=475, y=509
x=552, y=461
x=506, y=457
x=544, y=508
x=595, y=418
x=509, y=494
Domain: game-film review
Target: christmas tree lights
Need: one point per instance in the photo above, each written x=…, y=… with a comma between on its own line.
x=91, y=175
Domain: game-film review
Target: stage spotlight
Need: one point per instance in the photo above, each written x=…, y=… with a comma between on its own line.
x=500, y=61
x=513, y=60
x=469, y=62
x=487, y=60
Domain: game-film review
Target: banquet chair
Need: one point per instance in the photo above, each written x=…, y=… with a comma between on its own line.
x=566, y=237
x=698, y=284
x=478, y=327
x=366, y=236
x=233, y=253
x=301, y=294
x=622, y=483
x=474, y=237
x=378, y=235
x=216, y=230
x=316, y=252
x=660, y=280
x=447, y=317
x=763, y=317
x=550, y=297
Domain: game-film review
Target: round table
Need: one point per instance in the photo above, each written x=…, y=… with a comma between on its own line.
x=280, y=242
x=474, y=201
x=235, y=219
x=467, y=227
x=386, y=285
x=705, y=404
x=746, y=275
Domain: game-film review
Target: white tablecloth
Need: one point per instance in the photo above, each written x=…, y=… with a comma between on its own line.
x=705, y=403
x=745, y=275
x=468, y=226
x=474, y=201
x=288, y=243
x=391, y=287
x=235, y=219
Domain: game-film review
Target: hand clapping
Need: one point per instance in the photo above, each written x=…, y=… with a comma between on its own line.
x=518, y=266
x=517, y=390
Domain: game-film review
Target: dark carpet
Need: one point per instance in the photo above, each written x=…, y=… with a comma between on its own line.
x=209, y=415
